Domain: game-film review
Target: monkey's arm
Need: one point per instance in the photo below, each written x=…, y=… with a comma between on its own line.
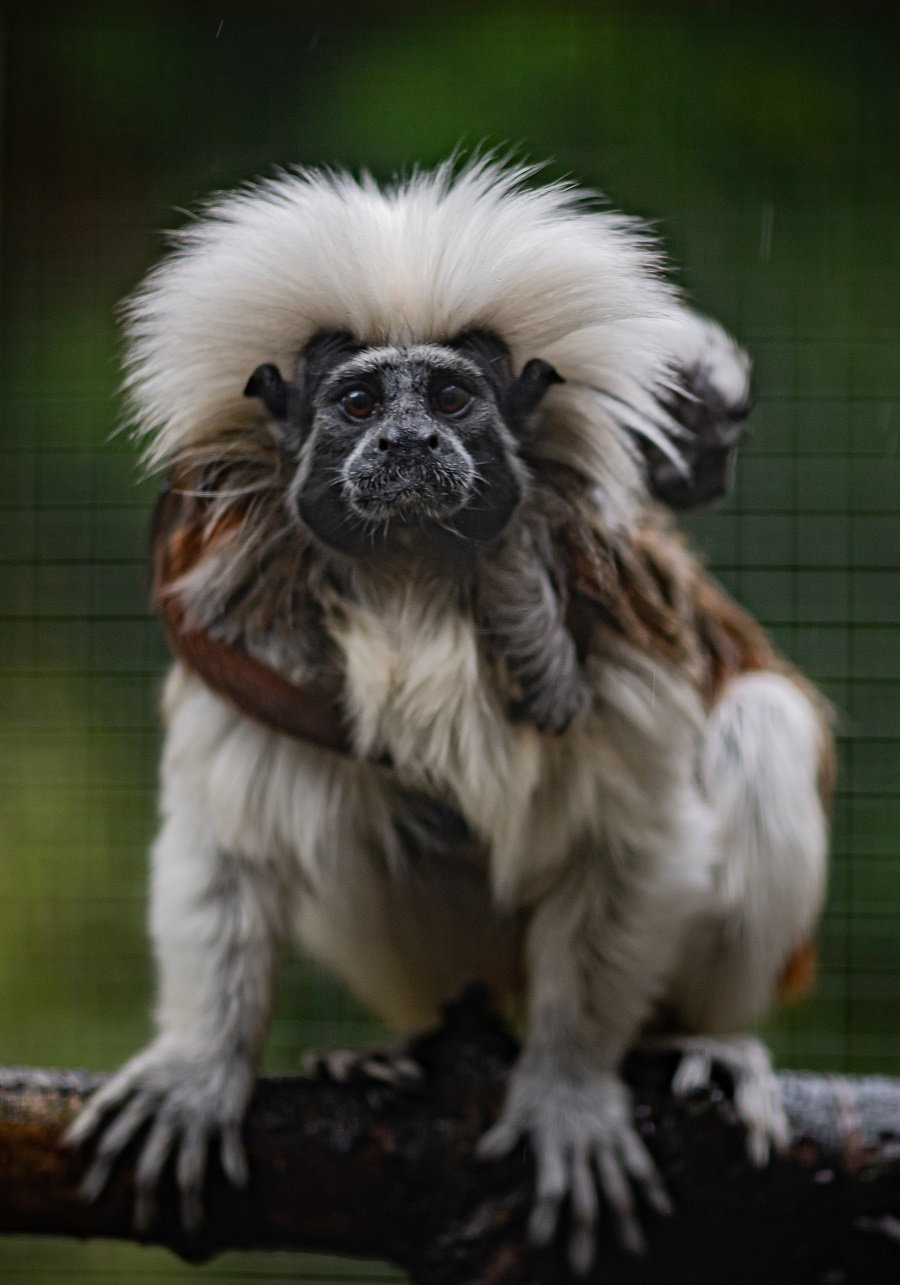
x=592, y=978
x=522, y=613
x=217, y=922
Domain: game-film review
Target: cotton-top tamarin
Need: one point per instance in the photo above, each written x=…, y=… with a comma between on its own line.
x=452, y=700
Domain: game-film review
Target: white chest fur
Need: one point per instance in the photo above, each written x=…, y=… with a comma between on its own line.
x=418, y=688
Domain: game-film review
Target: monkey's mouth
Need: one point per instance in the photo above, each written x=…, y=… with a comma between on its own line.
x=409, y=494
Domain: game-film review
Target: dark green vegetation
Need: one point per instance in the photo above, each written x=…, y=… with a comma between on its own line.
x=764, y=145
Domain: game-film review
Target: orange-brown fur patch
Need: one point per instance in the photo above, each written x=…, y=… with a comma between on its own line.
x=181, y=538
x=798, y=974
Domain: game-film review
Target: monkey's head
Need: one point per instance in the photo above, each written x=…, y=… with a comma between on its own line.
x=409, y=443
x=407, y=335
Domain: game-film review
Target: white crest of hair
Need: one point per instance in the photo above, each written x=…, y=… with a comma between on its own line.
x=432, y=255
x=699, y=343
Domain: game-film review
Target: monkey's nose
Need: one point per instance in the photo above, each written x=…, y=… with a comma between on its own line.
x=408, y=439
x=388, y=443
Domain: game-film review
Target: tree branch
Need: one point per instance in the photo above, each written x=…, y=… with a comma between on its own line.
x=367, y=1168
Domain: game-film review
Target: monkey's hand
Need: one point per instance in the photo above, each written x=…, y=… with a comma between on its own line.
x=188, y=1098
x=579, y=1125
x=757, y=1097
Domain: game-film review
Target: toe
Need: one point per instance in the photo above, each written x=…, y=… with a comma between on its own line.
x=234, y=1157
x=583, y=1238
x=149, y=1167
x=113, y=1142
x=640, y=1165
x=499, y=1140
x=694, y=1072
x=88, y=1120
x=617, y=1191
x=190, y=1172
x=551, y=1185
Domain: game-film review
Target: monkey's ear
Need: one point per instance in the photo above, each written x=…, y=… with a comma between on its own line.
x=267, y=384
x=525, y=394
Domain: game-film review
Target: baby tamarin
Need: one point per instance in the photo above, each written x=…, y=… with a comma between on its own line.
x=453, y=702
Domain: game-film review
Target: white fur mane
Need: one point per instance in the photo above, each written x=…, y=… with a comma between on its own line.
x=423, y=259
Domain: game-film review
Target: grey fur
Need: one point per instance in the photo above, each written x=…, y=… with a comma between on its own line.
x=521, y=595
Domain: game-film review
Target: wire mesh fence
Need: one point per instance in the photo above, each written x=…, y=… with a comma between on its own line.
x=763, y=143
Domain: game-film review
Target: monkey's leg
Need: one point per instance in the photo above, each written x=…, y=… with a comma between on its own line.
x=409, y=921
x=760, y=770
x=217, y=921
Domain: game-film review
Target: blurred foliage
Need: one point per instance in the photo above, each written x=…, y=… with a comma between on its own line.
x=762, y=140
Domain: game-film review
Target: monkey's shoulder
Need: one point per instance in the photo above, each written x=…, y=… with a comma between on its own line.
x=647, y=586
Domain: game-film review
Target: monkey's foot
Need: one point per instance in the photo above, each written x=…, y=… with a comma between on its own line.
x=190, y=1100
x=757, y=1097
x=391, y=1066
x=580, y=1128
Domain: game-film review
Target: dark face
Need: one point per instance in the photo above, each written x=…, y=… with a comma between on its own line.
x=416, y=444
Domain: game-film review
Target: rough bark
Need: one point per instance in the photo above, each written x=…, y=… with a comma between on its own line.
x=365, y=1168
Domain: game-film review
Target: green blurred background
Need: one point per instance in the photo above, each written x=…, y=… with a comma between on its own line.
x=763, y=143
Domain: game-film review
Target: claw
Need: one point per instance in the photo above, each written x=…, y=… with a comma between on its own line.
x=583, y=1237
x=112, y=1143
x=145, y=1209
x=190, y=1172
x=543, y=1221
x=617, y=1191
x=582, y=1250
x=233, y=1156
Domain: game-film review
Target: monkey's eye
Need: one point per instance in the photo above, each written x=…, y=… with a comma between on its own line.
x=358, y=402
x=450, y=399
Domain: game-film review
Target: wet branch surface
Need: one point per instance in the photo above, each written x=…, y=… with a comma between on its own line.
x=366, y=1168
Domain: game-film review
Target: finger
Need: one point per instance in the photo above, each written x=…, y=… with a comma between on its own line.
x=641, y=1167
x=89, y=1118
x=621, y=1201
x=758, y=1104
x=551, y=1184
x=311, y=1064
x=779, y=1129
x=758, y=1147
x=583, y=1239
x=396, y=1071
x=499, y=1140
x=190, y=1172
x=407, y=1068
x=233, y=1155
x=149, y=1167
x=339, y=1064
x=382, y=1071
x=694, y=1072
x=113, y=1142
